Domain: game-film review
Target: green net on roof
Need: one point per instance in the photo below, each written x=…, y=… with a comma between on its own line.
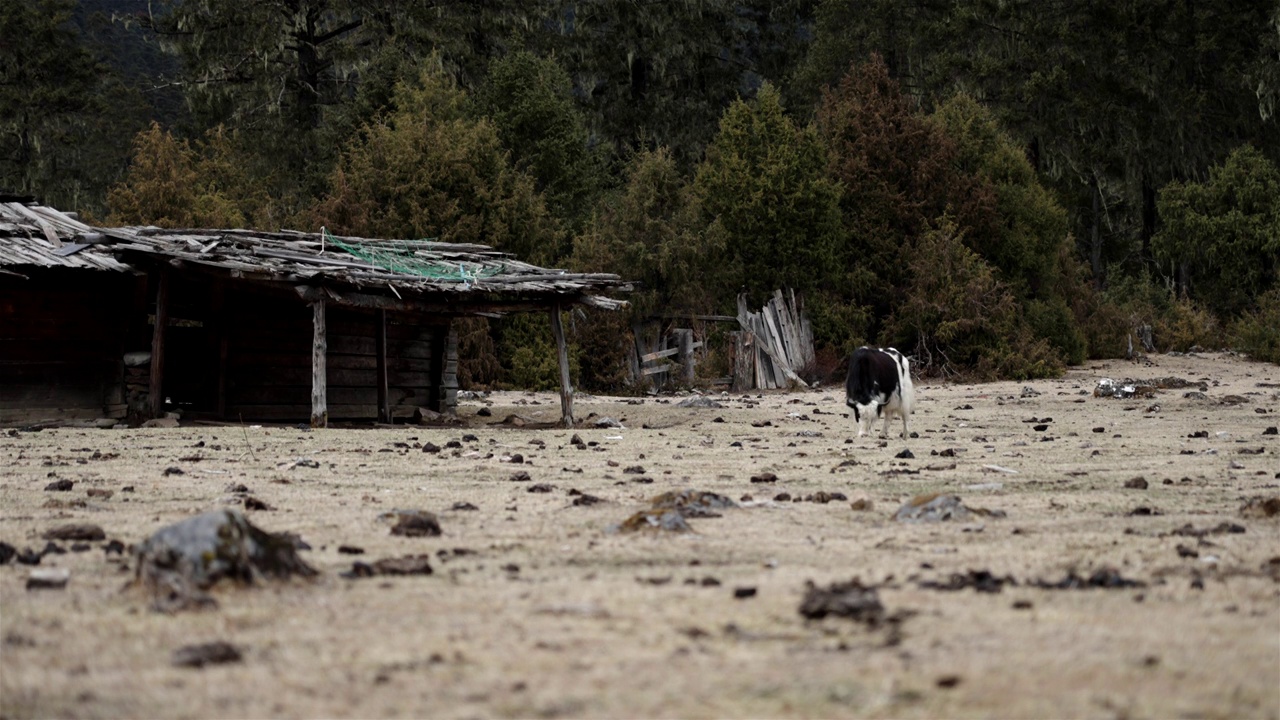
x=402, y=256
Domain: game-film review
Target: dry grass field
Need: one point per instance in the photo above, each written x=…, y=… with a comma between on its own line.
x=536, y=608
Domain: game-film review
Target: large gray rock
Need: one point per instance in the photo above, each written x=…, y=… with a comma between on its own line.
x=178, y=563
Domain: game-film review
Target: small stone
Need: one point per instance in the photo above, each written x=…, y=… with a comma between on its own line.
x=102, y=493
x=540, y=488
x=48, y=579
x=742, y=593
x=519, y=476
x=905, y=455
x=1271, y=431
x=59, y=486
x=766, y=477
x=173, y=471
x=430, y=447
x=1137, y=483
x=350, y=550
x=861, y=505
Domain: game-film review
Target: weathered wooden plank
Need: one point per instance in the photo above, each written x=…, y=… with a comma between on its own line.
x=319, y=349
x=650, y=357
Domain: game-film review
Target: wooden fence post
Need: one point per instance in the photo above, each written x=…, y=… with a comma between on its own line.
x=380, y=350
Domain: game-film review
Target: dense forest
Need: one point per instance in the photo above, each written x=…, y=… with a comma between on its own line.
x=998, y=187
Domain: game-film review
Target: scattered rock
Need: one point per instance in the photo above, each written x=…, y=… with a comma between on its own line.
x=1260, y=507
x=520, y=476
x=1143, y=511
x=659, y=520
x=350, y=550
x=180, y=561
x=173, y=471
x=947, y=681
x=48, y=579
x=484, y=412
x=59, y=486
x=101, y=493
x=430, y=447
x=1186, y=552
x=211, y=653
x=7, y=552
x=1137, y=483
x=607, y=422
x=463, y=506
x=741, y=593
x=1271, y=431
x=634, y=470
x=905, y=455
x=861, y=504
x=766, y=477
x=416, y=523
x=692, y=503
x=76, y=531
x=940, y=507
x=540, y=488
x=699, y=401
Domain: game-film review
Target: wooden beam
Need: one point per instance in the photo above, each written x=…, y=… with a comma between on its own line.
x=156, y=389
x=319, y=349
x=454, y=307
x=562, y=354
x=380, y=350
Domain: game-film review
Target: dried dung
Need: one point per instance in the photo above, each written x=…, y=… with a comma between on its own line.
x=1107, y=578
x=1260, y=507
x=939, y=507
x=87, y=532
x=843, y=599
x=416, y=523
x=180, y=561
x=213, y=653
x=979, y=580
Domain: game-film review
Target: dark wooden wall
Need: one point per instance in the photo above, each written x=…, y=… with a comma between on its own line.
x=268, y=367
x=62, y=343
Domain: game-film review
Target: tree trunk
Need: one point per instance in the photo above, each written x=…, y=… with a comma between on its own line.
x=1095, y=237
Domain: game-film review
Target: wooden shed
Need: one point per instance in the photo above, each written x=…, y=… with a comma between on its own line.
x=248, y=325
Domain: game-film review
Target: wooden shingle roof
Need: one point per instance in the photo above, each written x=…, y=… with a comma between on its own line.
x=400, y=269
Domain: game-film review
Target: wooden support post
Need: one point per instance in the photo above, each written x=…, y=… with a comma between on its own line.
x=380, y=349
x=156, y=389
x=222, y=340
x=562, y=354
x=319, y=382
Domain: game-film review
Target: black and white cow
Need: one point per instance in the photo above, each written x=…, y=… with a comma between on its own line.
x=879, y=385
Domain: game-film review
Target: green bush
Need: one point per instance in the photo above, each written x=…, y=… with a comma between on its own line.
x=958, y=319
x=1053, y=320
x=1257, y=333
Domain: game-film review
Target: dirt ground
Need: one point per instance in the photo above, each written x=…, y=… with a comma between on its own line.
x=536, y=609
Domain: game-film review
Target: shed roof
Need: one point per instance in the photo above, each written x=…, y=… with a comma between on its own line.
x=474, y=277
